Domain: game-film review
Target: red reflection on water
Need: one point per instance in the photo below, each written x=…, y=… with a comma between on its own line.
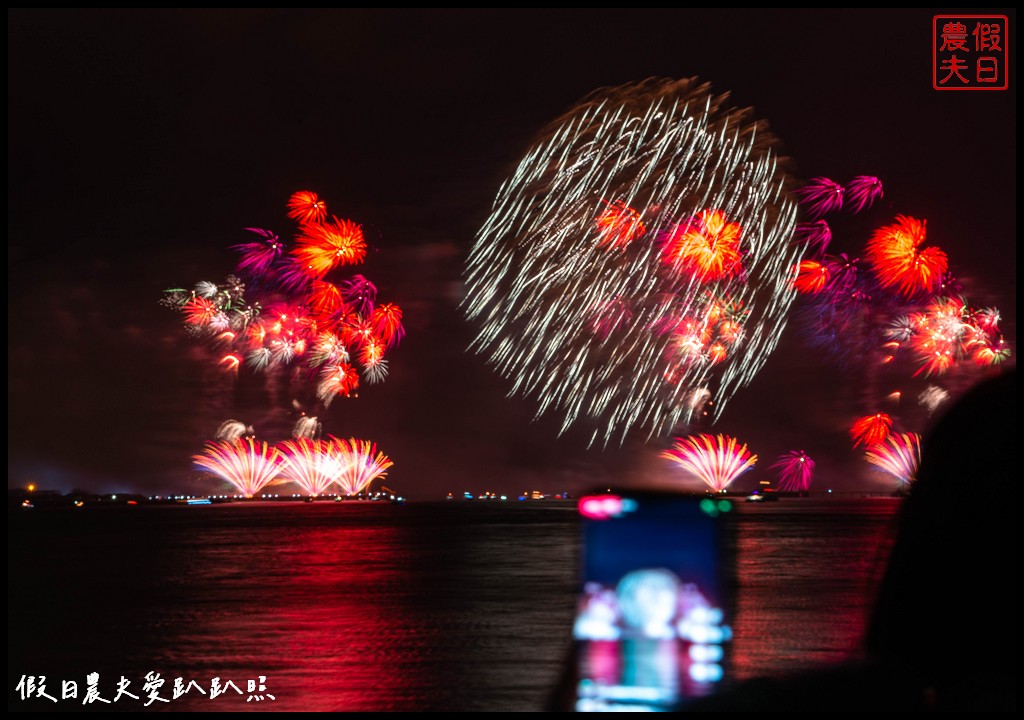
x=789, y=616
x=323, y=627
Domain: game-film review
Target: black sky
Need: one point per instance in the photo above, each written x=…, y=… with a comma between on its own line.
x=141, y=142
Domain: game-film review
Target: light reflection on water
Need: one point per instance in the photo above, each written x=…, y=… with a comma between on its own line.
x=372, y=607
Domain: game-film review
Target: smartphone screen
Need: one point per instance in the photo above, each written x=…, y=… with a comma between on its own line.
x=652, y=626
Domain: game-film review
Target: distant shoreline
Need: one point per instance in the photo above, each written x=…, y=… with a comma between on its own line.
x=24, y=500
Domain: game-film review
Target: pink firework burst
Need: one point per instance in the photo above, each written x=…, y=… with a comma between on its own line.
x=309, y=464
x=362, y=463
x=817, y=235
x=795, y=471
x=861, y=192
x=821, y=196
x=258, y=256
x=245, y=463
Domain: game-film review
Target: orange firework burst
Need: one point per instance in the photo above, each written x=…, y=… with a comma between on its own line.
x=372, y=351
x=811, y=277
x=895, y=256
x=708, y=246
x=306, y=207
x=321, y=248
x=870, y=430
x=619, y=225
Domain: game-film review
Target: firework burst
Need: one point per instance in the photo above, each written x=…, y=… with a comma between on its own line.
x=310, y=465
x=899, y=455
x=796, y=468
x=306, y=207
x=309, y=318
x=245, y=463
x=717, y=460
x=871, y=429
x=641, y=209
x=821, y=196
x=862, y=192
x=897, y=260
x=363, y=464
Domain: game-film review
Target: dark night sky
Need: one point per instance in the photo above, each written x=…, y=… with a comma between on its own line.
x=140, y=143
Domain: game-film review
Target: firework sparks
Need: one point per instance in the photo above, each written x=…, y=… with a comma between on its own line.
x=245, y=463
x=363, y=464
x=717, y=460
x=307, y=207
x=796, y=469
x=715, y=205
x=323, y=247
x=816, y=235
x=862, y=192
x=619, y=225
x=707, y=246
x=933, y=396
x=310, y=318
x=871, y=429
x=894, y=254
x=310, y=465
x=899, y=455
x=821, y=196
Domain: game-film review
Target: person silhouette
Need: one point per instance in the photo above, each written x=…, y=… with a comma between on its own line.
x=942, y=632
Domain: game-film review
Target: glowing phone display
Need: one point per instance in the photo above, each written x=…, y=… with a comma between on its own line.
x=652, y=626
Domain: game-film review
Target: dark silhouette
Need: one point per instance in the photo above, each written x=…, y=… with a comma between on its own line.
x=943, y=630
x=944, y=626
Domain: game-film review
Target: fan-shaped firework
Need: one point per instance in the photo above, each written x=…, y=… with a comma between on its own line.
x=717, y=460
x=310, y=464
x=899, y=455
x=816, y=235
x=363, y=464
x=245, y=463
x=659, y=204
x=795, y=471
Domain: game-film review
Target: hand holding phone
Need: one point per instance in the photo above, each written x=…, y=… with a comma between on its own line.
x=652, y=623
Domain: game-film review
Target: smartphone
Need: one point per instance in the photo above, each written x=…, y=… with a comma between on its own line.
x=652, y=624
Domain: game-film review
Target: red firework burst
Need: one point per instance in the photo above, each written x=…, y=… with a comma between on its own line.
x=871, y=429
x=811, y=277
